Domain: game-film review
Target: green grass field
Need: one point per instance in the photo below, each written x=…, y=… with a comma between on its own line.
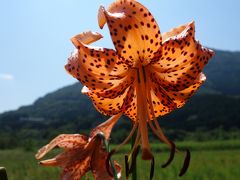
x=210, y=160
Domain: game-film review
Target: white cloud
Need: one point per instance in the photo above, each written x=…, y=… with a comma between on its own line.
x=6, y=77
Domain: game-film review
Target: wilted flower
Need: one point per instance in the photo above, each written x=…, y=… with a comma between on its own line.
x=81, y=154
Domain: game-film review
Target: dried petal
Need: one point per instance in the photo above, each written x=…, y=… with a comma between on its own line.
x=86, y=38
x=106, y=127
x=77, y=170
x=99, y=170
x=66, y=141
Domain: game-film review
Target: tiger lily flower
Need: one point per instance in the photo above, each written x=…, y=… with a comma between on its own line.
x=148, y=75
x=81, y=153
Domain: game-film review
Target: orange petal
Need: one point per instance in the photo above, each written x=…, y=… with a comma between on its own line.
x=102, y=61
x=133, y=29
x=66, y=141
x=162, y=103
x=106, y=127
x=108, y=106
x=183, y=58
x=118, y=87
x=130, y=104
x=97, y=68
x=174, y=48
x=180, y=97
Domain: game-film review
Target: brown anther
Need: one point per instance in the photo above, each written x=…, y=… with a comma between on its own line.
x=172, y=153
x=186, y=163
x=134, y=157
x=146, y=154
x=152, y=168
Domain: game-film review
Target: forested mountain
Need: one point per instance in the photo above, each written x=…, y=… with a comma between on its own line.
x=213, y=110
x=223, y=73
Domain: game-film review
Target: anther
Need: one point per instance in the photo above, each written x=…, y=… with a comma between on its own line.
x=186, y=163
x=134, y=157
x=172, y=153
x=152, y=168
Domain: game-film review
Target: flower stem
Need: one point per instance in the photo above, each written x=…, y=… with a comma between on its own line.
x=3, y=174
x=134, y=171
x=111, y=162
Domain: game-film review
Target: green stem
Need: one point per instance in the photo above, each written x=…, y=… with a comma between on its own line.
x=111, y=161
x=134, y=171
x=3, y=174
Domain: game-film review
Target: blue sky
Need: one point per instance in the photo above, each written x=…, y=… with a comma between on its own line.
x=34, y=38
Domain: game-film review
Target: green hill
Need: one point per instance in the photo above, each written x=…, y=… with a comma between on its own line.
x=212, y=113
x=223, y=73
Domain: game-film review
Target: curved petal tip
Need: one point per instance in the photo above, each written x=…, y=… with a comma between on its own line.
x=85, y=90
x=101, y=17
x=87, y=37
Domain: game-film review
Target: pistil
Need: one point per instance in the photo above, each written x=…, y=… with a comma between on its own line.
x=142, y=114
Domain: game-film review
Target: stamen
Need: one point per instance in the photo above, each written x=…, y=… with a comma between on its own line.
x=157, y=131
x=134, y=157
x=126, y=166
x=161, y=134
x=152, y=168
x=171, y=157
x=127, y=138
x=118, y=147
x=154, y=129
x=186, y=163
x=136, y=143
x=142, y=117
